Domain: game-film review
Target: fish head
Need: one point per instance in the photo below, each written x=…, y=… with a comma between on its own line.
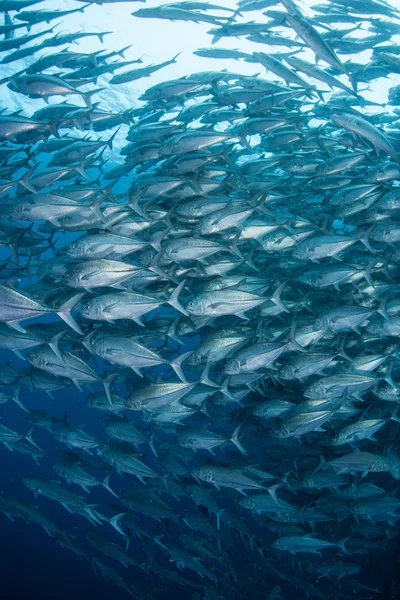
x=104, y=451
x=336, y=440
x=248, y=502
x=15, y=84
x=93, y=342
x=197, y=306
x=281, y=432
x=387, y=392
x=359, y=510
x=90, y=309
x=258, y=411
x=204, y=226
x=56, y=159
x=286, y=372
x=133, y=403
x=58, y=469
x=146, y=256
x=32, y=482
x=379, y=233
x=395, y=470
x=37, y=357
x=185, y=327
x=71, y=277
x=185, y=439
x=232, y=367
x=203, y=474
x=212, y=286
x=308, y=482
x=321, y=323
x=91, y=402
x=341, y=118
x=315, y=391
x=309, y=279
x=76, y=249
x=12, y=209
x=300, y=251
x=279, y=544
x=194, y=359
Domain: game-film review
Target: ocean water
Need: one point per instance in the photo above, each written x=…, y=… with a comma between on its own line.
x=240, y=554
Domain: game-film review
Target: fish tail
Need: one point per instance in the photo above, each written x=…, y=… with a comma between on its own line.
x=106, y=484
x=65, y=312
x=235, y=440
x=173, y=300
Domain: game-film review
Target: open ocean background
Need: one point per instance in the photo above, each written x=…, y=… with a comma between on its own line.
x=32, y=565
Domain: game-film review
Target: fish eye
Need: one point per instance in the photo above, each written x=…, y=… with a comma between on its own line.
x=308, y=391
x=276, y=430
x=86, y=307
x=71, y=246
x=66, y=275
x=386, y=465
x=190, y=303
x=226, y=365
x=94, y=343
x=334, y=439
x=197, y=225
x=281, y=371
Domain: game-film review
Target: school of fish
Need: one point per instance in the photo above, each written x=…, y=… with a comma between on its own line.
x=222, y=290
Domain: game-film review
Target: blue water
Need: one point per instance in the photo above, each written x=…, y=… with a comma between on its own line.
x=32, y=564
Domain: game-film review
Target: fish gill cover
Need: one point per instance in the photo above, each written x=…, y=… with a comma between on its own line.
x=199, y=297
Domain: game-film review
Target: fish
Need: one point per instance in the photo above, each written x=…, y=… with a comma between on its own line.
x=200, y=270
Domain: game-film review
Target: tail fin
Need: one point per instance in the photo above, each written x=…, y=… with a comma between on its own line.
x=87, y=97
x=16, y=399
x=112, y=138
x=95, y=206
x=342, y=352
x=293, y=344
x=151, y=443
x=342, y=545
x=107, y=386
x=234, y=247
x=65, y=312
x=272, y=490
x=219, y=514
x=367, y=272
x=30, y=439
x=364, y=239
x=225, y=390
x=176, y=364
x=106, y=484
x=235, y=440
x=173, y=299
x=54, y=343
x=25, y=181
x=52, y=126
x=382, y=308
x=276, y=298
x=394, y=416
x=102, y=34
